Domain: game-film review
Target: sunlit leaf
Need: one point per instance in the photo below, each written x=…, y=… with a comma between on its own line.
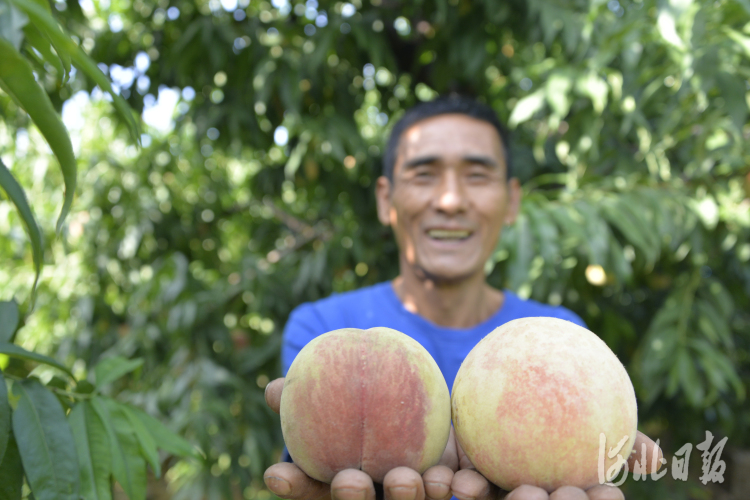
x=42, y=44
x=62, y=61
x=525, y=108
x=17, y=79
x=64, y=45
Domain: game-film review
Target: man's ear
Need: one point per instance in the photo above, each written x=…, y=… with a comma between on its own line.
x=383, y=199
x=514, y=201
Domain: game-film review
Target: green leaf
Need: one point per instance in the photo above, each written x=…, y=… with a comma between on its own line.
x=38, y=41
x=634, y=230
x=110, y=369
x=8, y=320
x=595, y=88
x=11, y=472
x=557, y=91
x=18, y=197
x=525, y=108
x=12, y=22
x=92, y=445
x=17, y=79
x=690, y=382
x=15, y=351
x=596, y=233
x=518, y=271
x=145, y=439
x=742, y=40
x=128, y=467
x=707, y=361
x=165, y=439
x=713, y=324
x=545, y=232
x=257, y=356
x=727, y=368
x=63, y=59
x=46, y=443
x=44, y=21
x=4, y=416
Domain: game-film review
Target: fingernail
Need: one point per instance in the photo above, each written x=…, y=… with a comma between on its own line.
x=462, y=497
x=402, y=492
x=349, y=494
x=440, y=488
x=279, y=486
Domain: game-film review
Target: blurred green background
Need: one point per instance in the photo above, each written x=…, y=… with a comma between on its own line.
x=264, y=125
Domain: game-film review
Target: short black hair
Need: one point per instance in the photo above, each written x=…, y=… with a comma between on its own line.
x=444, y=105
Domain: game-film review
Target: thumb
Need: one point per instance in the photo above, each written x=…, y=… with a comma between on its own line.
x=273, y=394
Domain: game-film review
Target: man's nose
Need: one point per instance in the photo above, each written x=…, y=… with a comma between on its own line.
x=451, y=196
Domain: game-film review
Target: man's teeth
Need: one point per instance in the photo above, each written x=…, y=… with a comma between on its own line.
x=447, y=234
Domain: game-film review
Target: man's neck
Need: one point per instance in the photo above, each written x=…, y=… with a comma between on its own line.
x=461, y=304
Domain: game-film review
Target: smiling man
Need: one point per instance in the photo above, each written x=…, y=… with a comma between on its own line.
x=447, y=191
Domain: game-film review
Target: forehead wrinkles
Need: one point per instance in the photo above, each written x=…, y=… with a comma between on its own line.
x=464, y=136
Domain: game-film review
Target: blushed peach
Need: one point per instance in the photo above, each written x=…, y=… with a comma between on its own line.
x=531, y=400
x=364, y=399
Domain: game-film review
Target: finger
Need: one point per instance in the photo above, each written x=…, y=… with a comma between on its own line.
x=403, y=483
x=527, y=492
x=352, y=484
x=468, y=484
x=450, y=455
x=644, y=449
x=286, y=480
x=273, y=393
x=437, y=482
x=568, y=493
x=605, y=492
x=463, y=459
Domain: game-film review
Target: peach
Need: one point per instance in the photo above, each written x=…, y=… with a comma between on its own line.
x=364, y=399
x=531, y=401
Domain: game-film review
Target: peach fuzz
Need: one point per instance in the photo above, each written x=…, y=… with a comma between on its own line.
x=364, y=399
x=531, y=399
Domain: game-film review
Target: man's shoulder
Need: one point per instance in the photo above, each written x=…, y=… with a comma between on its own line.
x=518, y=307
x=357, y=303
x=352, y=297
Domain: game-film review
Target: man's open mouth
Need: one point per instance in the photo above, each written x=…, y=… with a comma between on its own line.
x=449, y=234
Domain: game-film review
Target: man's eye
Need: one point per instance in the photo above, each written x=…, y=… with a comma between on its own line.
x=423, y=173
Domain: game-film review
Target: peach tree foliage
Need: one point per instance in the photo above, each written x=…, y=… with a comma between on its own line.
x=630, y=132
x=64, y=438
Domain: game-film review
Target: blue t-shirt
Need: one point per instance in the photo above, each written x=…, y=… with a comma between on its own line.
x=379, y=305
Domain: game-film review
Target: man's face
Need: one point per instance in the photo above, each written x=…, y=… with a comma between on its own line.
x=449, y=198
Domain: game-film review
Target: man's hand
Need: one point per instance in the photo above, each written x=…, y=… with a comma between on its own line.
x=454, y=475
x=286, y=480
x=468, y=484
